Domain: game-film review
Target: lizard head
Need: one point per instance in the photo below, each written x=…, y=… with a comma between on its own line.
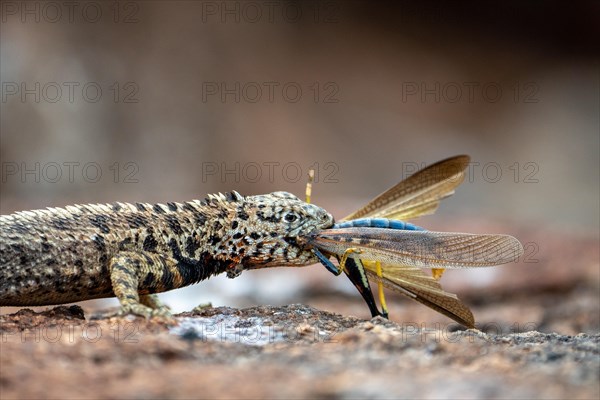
x=266, y=231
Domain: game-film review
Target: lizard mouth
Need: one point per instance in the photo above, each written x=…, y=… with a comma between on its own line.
x=303, y=241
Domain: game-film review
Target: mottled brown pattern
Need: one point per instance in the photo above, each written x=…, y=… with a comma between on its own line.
x=81, y=252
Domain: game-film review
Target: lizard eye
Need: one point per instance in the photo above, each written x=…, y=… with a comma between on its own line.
x=291, y=217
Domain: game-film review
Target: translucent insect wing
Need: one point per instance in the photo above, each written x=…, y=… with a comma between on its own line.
x=416, y=284
x=422, y=249
x=419, y=194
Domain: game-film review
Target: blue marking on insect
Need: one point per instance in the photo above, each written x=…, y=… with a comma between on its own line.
x=378, y=223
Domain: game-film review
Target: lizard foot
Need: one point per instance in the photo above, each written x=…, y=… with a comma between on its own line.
x=160, y=314
x=201, y=307
x=140, y=310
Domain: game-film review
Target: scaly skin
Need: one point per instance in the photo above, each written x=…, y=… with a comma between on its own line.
x=132, y=251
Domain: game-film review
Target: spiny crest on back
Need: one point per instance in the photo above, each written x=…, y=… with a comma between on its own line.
x=228, y=197
x=68, y=212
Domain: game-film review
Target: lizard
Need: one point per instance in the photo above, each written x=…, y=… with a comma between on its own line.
x=133, y=251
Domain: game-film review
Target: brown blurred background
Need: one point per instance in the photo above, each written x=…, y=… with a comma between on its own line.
x=161, y=101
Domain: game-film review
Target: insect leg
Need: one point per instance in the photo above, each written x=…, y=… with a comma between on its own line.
x=384, y=310
x=356, y=273
x=326, y=263
x=346, y=254
x=437, y=273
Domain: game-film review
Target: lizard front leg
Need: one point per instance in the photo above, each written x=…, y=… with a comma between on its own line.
x=152, y=301
x=134, y=275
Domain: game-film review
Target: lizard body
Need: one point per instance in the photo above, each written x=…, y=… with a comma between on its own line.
x=131, y=251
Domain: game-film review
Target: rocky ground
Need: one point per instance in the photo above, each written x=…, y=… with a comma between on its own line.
x=538, y=337
x=285, y=352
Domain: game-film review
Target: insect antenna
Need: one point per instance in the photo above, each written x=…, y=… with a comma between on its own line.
x=311, y=178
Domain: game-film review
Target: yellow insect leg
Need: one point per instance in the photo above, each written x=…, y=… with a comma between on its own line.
x=345, y=257
x=437, y=273
x=380, y=288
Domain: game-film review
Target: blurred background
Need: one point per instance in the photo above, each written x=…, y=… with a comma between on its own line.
x=158, y=101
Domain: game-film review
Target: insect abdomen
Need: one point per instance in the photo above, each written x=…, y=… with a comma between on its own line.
x=378, y=223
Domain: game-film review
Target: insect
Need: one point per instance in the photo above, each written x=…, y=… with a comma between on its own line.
x=373, y=243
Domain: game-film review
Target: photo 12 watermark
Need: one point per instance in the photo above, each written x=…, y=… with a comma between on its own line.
x=70, y=12
x=526, y=172
x=270, y=92
x=252, y=331
x=268, y=171
x=271, y=12
x=121, y=332
x=451, y=333
x=70, y=92
x=68, y=172
x=475, y=252
x=469, y=92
